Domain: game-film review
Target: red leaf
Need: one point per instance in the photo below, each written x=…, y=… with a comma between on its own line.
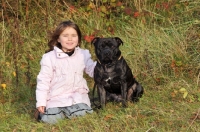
x=136, y=14
x=88, y=38
x=107, y=117
x=119, y=3
x=111, y=30
x=165, y=5
x=173, y=64
x=72, y=8
x=157, y=6
x=128, y=11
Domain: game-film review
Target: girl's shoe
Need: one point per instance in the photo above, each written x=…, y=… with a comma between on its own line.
x=37, y=115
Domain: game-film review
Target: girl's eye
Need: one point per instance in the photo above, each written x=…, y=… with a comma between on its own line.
x=74, y=35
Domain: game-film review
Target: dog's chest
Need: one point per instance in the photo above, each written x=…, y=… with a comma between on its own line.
x=111, y=79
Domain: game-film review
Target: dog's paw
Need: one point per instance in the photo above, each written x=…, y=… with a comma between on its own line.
x=124, y=104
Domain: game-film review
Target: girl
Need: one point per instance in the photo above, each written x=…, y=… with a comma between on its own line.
x=61, y=89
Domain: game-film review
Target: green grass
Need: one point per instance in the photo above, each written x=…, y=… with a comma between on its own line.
x=162, y=47
x=156, y=111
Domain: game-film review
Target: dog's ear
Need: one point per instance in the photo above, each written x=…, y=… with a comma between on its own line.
x=94, y=40
x=119, y=41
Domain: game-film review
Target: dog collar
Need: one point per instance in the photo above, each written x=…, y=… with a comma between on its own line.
x=118, y=59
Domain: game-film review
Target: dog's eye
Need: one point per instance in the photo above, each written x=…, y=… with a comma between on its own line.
x=103, y=45
x=112, y=46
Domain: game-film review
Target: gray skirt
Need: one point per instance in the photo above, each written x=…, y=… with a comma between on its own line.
x=53, y=115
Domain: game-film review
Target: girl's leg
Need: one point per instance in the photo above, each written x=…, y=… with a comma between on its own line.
x=52, y=115
x=75, y=110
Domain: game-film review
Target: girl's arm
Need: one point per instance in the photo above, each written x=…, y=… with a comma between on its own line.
x=89, y=64
x=43, y=81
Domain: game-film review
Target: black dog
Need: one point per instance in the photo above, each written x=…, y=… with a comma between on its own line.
x=112, y=75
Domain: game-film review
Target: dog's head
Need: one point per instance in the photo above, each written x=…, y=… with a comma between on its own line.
x=107, y=49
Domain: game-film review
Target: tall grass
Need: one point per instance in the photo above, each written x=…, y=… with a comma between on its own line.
x=161, y=45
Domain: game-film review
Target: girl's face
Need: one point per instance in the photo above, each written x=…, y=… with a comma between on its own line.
x=68, y=39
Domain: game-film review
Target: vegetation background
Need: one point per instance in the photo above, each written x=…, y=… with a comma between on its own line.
x=161, y=45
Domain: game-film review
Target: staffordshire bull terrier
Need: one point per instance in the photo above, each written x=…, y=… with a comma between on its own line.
x=112, y=75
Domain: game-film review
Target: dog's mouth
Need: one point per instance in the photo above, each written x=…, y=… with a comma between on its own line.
x=107, y=61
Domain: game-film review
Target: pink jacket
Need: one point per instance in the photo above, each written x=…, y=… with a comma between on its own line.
x=60, y=81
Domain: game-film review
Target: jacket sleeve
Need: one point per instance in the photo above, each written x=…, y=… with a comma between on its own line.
x=43, y=80
x=89, y=63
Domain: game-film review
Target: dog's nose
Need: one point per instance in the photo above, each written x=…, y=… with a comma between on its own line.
x=107, y=53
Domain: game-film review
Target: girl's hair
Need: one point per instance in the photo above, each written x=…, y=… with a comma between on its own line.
x=60, y=28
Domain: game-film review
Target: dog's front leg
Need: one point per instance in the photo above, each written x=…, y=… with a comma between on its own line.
x=102, y=95
x=124, y=94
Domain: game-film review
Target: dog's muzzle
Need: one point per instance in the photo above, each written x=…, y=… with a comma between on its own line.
x=106, y=54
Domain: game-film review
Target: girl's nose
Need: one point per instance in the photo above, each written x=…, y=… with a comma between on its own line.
x=69, y=38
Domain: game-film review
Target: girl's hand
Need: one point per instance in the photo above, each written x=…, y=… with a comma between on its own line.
x=41, y=109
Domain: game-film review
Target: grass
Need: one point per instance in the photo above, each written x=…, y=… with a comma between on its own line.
x=156, y=111
x=160, y=45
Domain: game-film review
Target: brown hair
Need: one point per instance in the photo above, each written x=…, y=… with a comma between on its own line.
x=60, y=28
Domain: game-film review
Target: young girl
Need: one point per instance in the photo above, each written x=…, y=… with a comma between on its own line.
x=61, y=89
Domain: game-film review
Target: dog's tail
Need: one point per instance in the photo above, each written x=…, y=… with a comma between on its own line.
x=93, y=99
